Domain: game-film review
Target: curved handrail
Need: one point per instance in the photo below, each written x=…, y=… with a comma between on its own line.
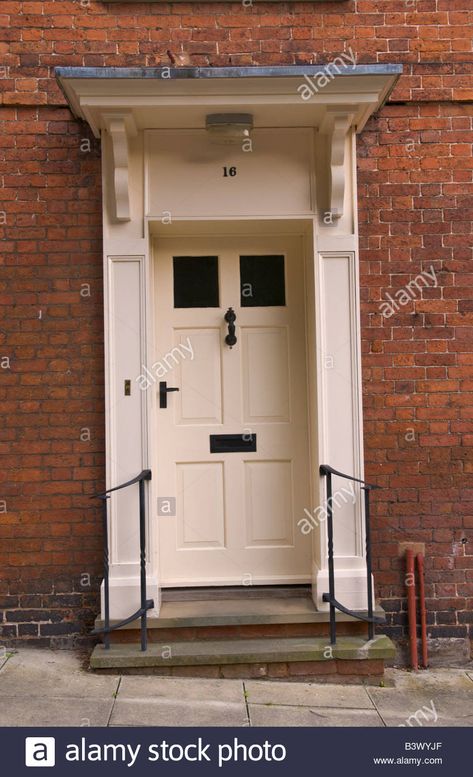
x=145, y=474
x=146, y=604
x=325, y=469
x=138, y=614
x=354, y=613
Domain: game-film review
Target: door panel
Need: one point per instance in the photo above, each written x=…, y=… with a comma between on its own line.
x=265, y=374
x=200, y=396
x=236, y=513
x=201, y=518
x=269, y=503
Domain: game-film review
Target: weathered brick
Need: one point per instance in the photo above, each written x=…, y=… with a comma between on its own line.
x=66, y=627
x=194, y=671
x=249, y=671
x=28, y=630
x=366, y=668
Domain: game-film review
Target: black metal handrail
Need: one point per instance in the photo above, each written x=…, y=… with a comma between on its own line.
x=329, y=597
x=146, y=604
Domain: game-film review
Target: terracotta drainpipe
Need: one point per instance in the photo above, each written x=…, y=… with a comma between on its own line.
x=423, y=611
x=411, y=606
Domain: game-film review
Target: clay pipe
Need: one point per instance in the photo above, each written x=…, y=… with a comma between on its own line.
x=423, y=611
x=411, y=606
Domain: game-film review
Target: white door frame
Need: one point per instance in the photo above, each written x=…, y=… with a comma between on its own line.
x=334, y=397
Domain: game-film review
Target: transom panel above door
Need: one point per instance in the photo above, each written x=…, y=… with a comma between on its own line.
x=232, y=439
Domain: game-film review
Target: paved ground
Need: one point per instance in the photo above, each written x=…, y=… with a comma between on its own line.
x=52, y=688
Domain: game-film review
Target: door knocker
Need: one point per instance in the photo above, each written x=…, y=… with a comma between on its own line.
x=230, y=318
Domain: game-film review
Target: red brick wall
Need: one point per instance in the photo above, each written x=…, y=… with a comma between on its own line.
x=51, y=331
x=415, y=175
x=416, y=212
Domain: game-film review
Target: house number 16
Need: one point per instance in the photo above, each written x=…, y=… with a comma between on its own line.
x=229, y=172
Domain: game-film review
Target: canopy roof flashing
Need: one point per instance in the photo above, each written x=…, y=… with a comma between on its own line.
x=165, y=97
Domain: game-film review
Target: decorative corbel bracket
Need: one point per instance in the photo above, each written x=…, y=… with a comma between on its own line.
x=120, y=127
x=335, y=126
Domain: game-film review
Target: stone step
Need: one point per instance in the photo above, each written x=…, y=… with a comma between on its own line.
x=245, y=652
x=236, y=612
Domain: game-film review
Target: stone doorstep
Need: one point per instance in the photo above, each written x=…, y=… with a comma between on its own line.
x=236, y=612
x=242, y=652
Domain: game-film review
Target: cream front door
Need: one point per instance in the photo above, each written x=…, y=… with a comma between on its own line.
x=233, y=454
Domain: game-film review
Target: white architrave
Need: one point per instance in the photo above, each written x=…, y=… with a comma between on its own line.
x=126, y=332
x=120, y=127
x=340, y=422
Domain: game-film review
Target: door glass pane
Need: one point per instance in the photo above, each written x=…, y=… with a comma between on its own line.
x=196, y=282
x=262, y=281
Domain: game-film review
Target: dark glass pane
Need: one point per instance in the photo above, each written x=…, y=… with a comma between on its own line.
x=196, y=282
x=262, y=281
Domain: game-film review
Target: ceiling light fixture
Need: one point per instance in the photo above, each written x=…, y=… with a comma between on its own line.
x=229, y=128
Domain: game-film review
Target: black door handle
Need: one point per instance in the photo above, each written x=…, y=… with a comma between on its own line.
x=163, y=393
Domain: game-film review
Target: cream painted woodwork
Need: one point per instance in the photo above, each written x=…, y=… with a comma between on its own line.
x=311, y=194
x=339, y=419
x=185, y=174
x=236, y=513
x=282, y=98
x=127, y=420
